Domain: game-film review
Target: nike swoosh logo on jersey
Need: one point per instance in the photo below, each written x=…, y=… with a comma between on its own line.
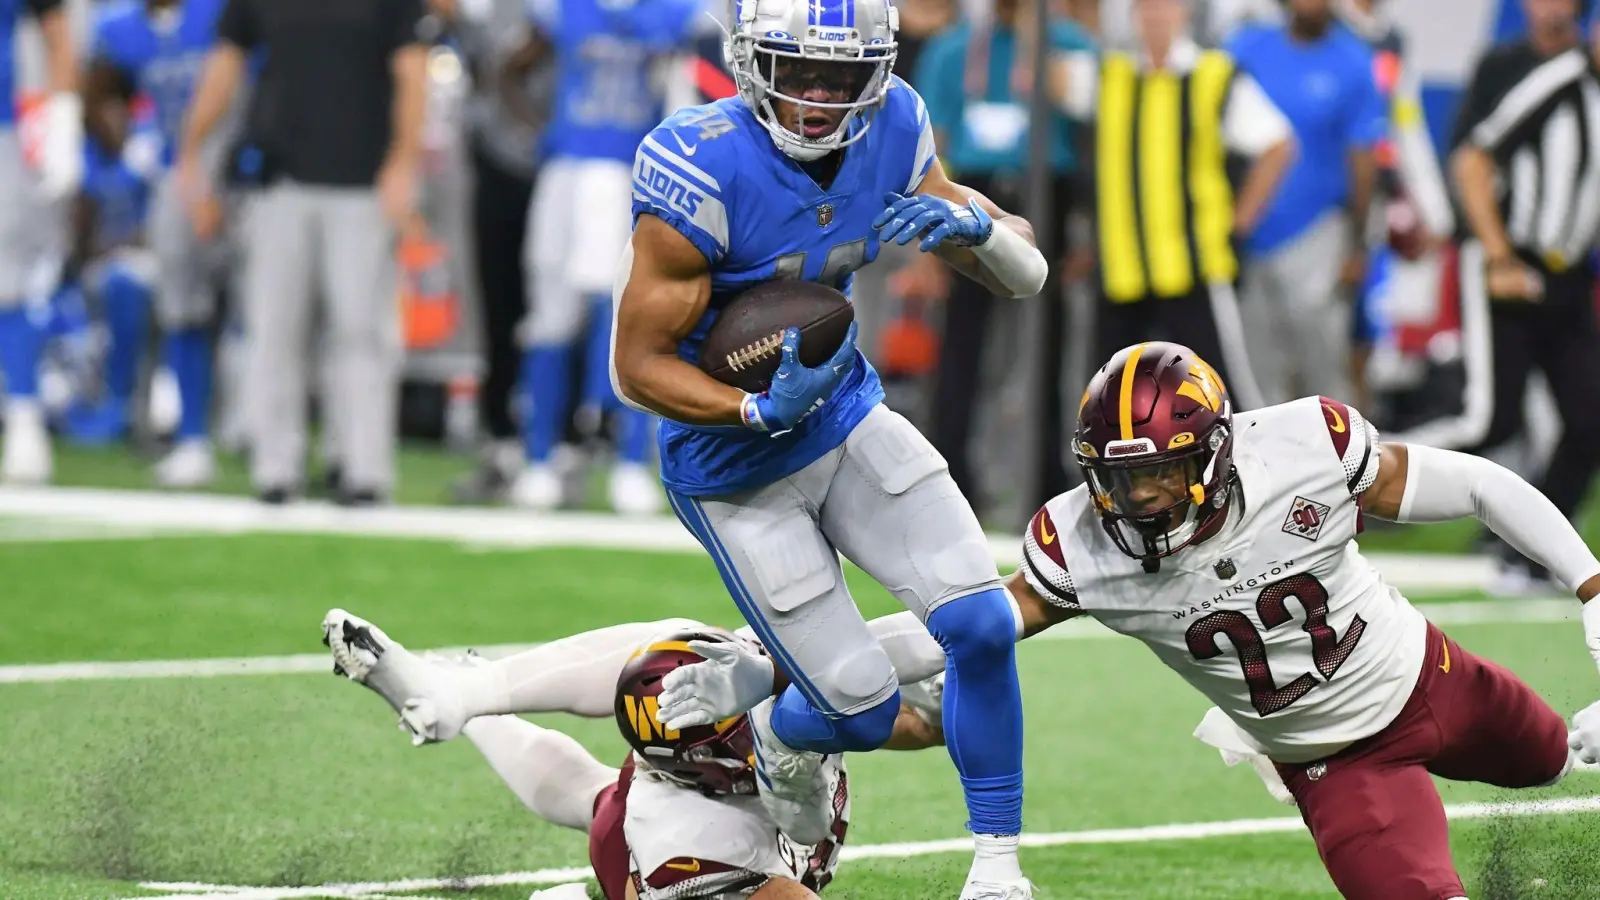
x=688, y=149
x=692, y=865
x=1045, y=537
x=1445, y=666
x=1338, y=426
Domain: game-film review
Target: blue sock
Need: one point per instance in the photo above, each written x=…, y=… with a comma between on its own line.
x=597, y=356
x=127, y=311
x=188, y=355
x=983, y=707
x=545, y=377
x=21, y=343
x=636, y=431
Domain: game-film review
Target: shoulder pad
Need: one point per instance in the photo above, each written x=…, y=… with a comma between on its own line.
x=687, y=878
x=684, y=173
x=1044, y=565
x=905, y=115
x=1355, y=442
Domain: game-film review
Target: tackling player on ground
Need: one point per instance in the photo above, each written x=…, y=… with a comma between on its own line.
x=1226, y=543
x=679, y=820
x=822, y=155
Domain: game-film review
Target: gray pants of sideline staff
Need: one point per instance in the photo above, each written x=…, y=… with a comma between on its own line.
x=333, y=243
x=1296, y=317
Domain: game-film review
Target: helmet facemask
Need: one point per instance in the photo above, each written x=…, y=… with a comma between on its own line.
x=813, y=96
x=1154, y=504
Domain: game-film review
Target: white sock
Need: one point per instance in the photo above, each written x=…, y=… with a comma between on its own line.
x=995, y=858
x=576, y=675
x=550, y=773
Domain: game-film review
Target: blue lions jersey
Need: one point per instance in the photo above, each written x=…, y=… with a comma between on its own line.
x=606, y=97
x=713, y=173
x=120, y=197
x=163, y=60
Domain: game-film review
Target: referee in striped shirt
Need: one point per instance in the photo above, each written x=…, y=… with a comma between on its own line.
x=1526, y=167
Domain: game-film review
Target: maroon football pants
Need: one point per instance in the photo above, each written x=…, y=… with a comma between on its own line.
x=1372, y=808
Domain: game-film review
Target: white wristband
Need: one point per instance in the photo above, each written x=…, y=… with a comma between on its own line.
x=1014, y=263
x=1591, y=628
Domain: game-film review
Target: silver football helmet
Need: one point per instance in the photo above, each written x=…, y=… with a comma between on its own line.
x=813, y=71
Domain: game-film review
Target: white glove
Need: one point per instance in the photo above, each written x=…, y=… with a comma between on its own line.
x=141, y=153
x=61, y=154
x=1591, y=628
x=733, y=679
x=1584, y=736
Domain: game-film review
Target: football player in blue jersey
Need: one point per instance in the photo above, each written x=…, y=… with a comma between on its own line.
x=156, y=48
x=823, y=156
x=607, y=97
x=109, y=261
x=32, y=227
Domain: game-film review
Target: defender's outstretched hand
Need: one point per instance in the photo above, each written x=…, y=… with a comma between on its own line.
x=732, y=680
x=797, y=390
x=937, y=220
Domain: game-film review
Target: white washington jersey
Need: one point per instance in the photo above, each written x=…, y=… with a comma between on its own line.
x=685, y=845
x=1277, y=618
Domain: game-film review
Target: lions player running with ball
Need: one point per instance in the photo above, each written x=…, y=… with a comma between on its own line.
x=1226, y=543
x=822, y=155
x=679, y=820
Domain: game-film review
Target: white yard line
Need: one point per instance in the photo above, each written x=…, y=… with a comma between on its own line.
x=1149, y=834
x=1497, y=612
x=215, y=514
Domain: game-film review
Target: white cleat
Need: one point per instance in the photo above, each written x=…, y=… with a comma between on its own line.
x=189, y=465
x=793, y=785
x=26, y=458
x=1021, y=889
x=415, y=688
x=538, y=487
x=635, y=490
x=926, y=699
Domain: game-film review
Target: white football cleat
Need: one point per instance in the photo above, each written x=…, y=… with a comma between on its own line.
x=1021, y=889
x=26, y=458
x=538, y=487
x=926, y=699
x=418, y=690
x=189, y=465
x=793, y=785
x=635, y=490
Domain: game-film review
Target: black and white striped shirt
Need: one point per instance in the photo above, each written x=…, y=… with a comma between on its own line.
x=1539, y=117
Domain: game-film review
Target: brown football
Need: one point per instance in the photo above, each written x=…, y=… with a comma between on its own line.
x=744, y=346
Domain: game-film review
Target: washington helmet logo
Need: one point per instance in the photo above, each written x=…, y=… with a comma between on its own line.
x=824, y=215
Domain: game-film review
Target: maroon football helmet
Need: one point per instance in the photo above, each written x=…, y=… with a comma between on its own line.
x=1155, y=440
x=716, y=758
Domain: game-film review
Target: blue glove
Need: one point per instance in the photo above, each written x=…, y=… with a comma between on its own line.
x=938, y=221
x=796, y=390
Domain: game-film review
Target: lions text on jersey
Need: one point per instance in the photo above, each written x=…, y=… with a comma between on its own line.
x=161, y=52
x=1278, y=618
x=714, y=174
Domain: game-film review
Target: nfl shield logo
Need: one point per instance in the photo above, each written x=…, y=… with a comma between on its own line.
x=1225, y=569
x=824, y=215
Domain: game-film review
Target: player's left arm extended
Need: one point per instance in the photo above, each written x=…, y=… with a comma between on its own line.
x=1425, y=484
x=969, y=232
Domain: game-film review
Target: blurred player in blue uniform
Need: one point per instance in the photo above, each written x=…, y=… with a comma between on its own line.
x=32, y=229
x=156, y=48
x=110, y=263
x=608, y=96
x=822, y=156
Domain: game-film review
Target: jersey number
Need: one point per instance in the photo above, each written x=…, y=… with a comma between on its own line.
x=842, y=260
x=1328, y=650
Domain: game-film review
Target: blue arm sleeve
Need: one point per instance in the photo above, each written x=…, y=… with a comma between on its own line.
x=684, y=195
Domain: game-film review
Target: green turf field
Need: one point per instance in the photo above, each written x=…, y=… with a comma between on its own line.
x=297, y=784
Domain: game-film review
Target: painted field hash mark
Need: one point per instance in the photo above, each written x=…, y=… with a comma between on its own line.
x=1149, y=834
